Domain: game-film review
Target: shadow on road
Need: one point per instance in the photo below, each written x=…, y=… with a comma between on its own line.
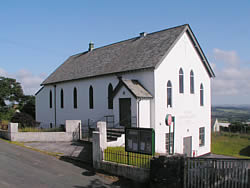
x=96, y=183
x=120, y=183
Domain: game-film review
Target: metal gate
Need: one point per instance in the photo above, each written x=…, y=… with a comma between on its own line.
x=210, y=172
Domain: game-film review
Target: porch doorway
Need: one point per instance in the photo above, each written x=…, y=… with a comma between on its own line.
x=187, y=146
x=125, y=112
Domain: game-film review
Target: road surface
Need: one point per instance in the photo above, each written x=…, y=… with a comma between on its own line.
x=24, y=168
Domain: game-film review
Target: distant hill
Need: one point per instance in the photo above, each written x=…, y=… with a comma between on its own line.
x=231, y=113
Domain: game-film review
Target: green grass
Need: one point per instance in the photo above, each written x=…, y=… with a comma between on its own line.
x=31, y=129
x=231, y=144
x=118, y=155
x=236, y=111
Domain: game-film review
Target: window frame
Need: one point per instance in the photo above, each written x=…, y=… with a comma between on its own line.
x=169, y=142
x=201, y=136
x=201, y=95
x=75, y=98
x=181, y=81
x=62, y=98
x=91, y=97
x=191, y=82
x=110, y=97
x=50, y=99
x=169, y=94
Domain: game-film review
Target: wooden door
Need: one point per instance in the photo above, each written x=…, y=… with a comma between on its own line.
x=125, y=112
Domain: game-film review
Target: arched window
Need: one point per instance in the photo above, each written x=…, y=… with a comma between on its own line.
x=75, y=97
x=169, y=94
x=110, y=98
x=50, y=99
x=91, y=99
x=201, y=95
x=181, y=81
x=191, y=81
x=62, y=99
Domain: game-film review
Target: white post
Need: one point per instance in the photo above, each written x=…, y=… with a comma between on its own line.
x=101, y=125
x=74, y=127
x=12, y=131
x=99, y=144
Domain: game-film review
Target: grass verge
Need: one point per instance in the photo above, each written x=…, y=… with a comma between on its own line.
x=231, y=144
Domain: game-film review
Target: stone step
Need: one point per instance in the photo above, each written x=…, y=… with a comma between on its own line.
x=111, y=138
x=118, y=134
x=120, y=130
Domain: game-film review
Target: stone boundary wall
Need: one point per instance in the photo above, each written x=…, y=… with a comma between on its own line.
x=131, y=172
x=72, y=133
x=4, y=134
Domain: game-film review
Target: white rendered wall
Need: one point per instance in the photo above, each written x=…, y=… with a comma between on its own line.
x=186, y=107
x=144, y=113
x=100, y=89
x=44, y=113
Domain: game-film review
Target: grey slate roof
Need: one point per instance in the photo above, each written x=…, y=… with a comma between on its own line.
x=129, y=55
x=137, y=89
x=134, y=86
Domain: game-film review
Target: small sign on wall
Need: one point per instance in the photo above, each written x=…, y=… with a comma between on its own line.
x=168, y=119
x=140, y=140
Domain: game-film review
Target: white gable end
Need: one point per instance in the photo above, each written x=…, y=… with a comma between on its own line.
x=185, y=106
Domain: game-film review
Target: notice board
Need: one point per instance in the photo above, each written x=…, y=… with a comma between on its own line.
x=140, y=140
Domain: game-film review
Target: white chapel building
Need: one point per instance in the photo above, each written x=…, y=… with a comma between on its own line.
x=136, y=83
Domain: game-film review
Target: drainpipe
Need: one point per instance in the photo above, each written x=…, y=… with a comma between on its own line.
x=138, y=112
x=55, y=102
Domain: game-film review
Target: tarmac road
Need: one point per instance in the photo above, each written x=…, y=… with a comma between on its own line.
x=24, y=168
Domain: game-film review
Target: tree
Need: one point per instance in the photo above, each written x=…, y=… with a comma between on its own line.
x=27, y=105
x=13, y=99
x=24, y=120
x=10, y=91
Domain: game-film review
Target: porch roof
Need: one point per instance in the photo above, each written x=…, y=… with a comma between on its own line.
x=134, y=87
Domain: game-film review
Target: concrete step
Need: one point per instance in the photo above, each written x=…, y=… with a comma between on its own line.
x=116, y=130
x=114, y=133
x=111, y=138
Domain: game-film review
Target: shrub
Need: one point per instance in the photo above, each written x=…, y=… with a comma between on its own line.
x=24, y=120
x=4, y=124
x=31, y=129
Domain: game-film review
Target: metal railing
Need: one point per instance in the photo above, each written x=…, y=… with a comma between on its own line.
x=128, y=158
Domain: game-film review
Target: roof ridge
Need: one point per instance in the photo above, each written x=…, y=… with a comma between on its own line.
x=82, y=53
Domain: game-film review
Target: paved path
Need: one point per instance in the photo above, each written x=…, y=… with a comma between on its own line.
x=24, y=168
x=79, y=150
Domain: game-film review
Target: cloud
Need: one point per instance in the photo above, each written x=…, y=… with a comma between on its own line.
x=30, y=82
x=232, y=79
x=228, y=57
x=3, y=72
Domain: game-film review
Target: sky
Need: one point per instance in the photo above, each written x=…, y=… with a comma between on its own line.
x=38, y=36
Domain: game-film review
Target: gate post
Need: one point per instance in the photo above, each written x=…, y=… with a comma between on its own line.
x=99, y=144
